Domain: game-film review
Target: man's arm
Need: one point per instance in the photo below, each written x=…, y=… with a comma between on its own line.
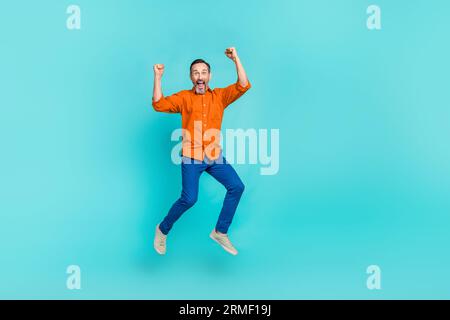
x=171, y=104
x=236, y=90
x=157, y=91
x=242, y=76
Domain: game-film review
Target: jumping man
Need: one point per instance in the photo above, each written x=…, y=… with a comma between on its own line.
x=201, y=111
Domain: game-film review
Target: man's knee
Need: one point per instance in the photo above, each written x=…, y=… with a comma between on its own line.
x=238, y=187
x=188, y=201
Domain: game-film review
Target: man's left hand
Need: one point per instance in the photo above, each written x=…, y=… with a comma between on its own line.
x=231, y=53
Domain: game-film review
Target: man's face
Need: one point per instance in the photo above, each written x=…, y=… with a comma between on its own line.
x=200, y=77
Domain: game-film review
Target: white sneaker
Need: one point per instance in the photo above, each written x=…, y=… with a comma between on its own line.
x=223, y=240
x=160, y=241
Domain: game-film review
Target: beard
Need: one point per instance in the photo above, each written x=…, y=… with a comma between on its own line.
x=200, y=87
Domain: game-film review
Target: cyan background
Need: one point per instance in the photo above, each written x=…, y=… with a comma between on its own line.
x=85, y=165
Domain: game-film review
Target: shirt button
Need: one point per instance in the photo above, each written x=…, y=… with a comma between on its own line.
x=204, y=105
x=204, y=114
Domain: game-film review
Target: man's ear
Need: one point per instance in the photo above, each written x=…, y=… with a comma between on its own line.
x=210, y=76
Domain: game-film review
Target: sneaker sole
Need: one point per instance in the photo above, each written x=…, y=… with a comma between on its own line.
x=225, y=248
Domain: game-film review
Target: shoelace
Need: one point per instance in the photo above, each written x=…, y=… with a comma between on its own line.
x=161, y=240
x=224, y=239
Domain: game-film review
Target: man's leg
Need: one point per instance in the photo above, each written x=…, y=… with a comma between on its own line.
x=226, y=175
x=190, y=175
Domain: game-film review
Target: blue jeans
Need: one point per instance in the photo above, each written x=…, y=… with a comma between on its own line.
x=191, y=170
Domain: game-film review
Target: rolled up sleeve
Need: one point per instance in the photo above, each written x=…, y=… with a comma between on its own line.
x=170, y=104
x=233, y=92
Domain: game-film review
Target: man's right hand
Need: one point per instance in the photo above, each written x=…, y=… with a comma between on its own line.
x=159, y=70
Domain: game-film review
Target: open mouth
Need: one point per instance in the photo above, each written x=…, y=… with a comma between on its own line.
x=201, y=84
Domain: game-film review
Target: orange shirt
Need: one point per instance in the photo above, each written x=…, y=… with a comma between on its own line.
x=201, y=117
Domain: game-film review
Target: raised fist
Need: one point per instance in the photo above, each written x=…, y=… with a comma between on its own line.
x=231, y=53
x=159, y=70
